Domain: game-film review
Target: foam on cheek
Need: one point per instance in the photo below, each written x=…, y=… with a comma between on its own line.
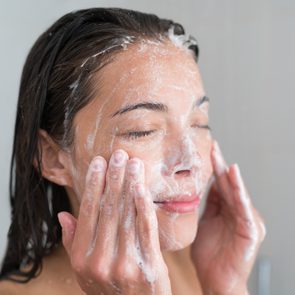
x=190, y=155
x=91, y=136
x=177, y=159
x=115, y=130
x=192, y=159
x=187, y=159
x=160, y=186
x=76, y=178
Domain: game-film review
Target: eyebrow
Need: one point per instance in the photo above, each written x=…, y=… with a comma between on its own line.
x=155, y=106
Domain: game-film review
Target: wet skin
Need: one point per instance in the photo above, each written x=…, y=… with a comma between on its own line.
x=176, y=152
x=151, y=112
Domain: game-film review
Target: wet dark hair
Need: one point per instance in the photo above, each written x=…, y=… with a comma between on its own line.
x=57, y=81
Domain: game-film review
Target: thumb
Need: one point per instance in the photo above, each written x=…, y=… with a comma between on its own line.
x=68, y=223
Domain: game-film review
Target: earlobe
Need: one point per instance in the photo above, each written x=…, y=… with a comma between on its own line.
x=54, y=161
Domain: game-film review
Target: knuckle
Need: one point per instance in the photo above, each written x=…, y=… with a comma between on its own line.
x=87, y=206
x=127, y=273
x=114, y=180
x=115, y=188
x=100, y=272
x=94, y=179
x=108, y=204
x=109, y=208
x=92, y=185
x=115, y=172
x=141, y=205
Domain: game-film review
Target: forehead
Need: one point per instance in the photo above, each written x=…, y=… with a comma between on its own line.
x=150, y=69
x=147, y=71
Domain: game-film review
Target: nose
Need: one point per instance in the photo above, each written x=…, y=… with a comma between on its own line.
x=185, y=158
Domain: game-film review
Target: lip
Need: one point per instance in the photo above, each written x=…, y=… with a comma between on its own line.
x=180, y=204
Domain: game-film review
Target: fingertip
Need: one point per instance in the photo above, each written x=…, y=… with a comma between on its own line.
x=219, y=165
x=123, y=152
x=234, y=167
x=67, y=221
x=118, y=158
x=98, y=164
x=61, y=218
x=235, y=174
x=135, y=166
x=68, y=224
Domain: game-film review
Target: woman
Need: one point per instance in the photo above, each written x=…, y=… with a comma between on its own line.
x=112, y=145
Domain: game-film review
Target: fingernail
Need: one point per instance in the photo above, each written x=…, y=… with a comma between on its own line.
x=133, y=167
x=118, y=158
x=97, y=164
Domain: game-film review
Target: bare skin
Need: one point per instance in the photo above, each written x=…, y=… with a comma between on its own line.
x=58, y=277
x=175, y=155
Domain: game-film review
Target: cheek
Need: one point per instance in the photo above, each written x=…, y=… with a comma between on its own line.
x=204, y=148
x=202, y=140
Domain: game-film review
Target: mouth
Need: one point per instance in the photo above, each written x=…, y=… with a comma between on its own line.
x=180, y=203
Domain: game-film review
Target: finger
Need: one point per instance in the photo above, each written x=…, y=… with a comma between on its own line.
x=89, y=208
x=247, y=225
x=68, y=224
x=243, y=204
x=127, y=223
x=109, y=211
x=220, y=170
x=146, y=223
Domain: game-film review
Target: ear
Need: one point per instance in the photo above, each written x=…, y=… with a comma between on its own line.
x=55, y=162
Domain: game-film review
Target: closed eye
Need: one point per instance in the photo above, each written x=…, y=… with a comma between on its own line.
x=202, y=126
x=137, y=134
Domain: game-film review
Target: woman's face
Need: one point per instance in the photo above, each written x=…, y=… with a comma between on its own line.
x=167, y=130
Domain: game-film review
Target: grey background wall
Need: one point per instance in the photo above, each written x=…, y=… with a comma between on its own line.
x=247, y=61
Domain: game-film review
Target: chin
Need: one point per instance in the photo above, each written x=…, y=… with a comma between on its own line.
x=176, y=230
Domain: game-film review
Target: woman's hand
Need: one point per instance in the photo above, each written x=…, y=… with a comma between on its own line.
x=229, y=235
x=114, y=244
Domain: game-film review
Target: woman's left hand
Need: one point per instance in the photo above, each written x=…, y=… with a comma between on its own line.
x=229, y=235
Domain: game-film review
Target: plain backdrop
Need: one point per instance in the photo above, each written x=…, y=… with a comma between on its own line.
x=247, y=62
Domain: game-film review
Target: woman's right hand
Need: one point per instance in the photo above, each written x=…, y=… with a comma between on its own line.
x=114, y=244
